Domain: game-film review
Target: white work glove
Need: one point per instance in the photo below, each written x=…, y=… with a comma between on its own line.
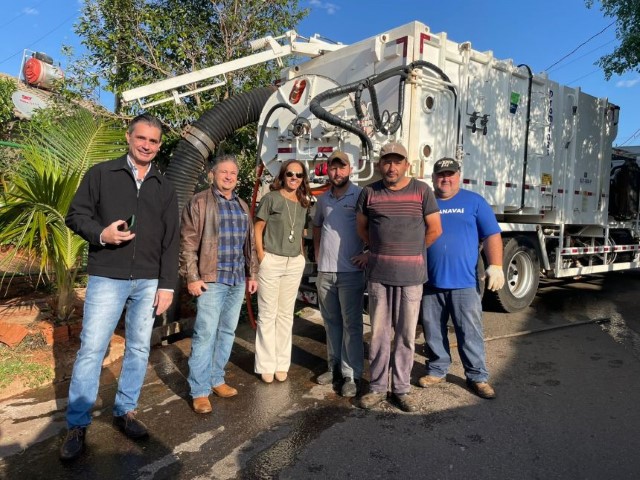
x=495, y=277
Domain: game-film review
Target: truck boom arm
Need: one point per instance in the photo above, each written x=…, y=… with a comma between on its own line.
x=274, y=49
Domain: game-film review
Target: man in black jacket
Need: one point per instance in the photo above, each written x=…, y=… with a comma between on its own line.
x=128, y=212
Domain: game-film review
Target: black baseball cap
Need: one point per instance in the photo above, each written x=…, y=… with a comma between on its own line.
x=446, y=165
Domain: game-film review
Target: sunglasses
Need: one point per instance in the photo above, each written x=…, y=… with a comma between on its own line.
x=291, y=174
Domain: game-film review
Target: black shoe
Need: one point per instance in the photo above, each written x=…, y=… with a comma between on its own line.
x=350, y=387
x=406, y=402
x=130, y=425
x=73, y=444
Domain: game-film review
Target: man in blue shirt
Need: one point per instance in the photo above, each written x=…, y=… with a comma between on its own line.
x=452, y=288
x=340, y=282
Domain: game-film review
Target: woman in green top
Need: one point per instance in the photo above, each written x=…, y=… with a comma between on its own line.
x=279, y=224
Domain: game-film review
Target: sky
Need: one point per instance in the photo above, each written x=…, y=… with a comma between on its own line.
x=538, y=33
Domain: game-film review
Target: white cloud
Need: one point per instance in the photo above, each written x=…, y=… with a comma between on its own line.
x=331, y=8
x=30, y=11
x=628, y=83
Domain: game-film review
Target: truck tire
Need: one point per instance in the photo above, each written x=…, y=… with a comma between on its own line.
x=521, y=268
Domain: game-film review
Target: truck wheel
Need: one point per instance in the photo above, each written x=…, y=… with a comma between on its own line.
x=522, y=275
x=521, y=272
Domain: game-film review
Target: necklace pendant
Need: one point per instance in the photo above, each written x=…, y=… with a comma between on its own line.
x=291, y=238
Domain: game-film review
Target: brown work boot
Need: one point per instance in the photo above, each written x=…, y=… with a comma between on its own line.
x=371, y=399
x=482, y=389
x=406, y=402
x=430, y=381
x=202, y=405
x=225, y=391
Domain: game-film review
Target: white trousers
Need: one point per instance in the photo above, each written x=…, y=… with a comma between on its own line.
x=278, y=283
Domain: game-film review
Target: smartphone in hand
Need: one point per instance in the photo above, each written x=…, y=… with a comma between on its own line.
x=128, y=224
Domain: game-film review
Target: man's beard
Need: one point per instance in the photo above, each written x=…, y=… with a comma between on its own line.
x=340, y=183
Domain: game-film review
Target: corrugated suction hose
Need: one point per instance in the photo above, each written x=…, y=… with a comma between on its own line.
x=200, y=139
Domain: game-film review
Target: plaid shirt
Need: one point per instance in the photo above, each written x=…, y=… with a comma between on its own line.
x=232, y=235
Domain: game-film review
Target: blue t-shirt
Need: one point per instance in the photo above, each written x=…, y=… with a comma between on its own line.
x=452, y=259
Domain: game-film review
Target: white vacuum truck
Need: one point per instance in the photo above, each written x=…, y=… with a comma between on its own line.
x=538, y=151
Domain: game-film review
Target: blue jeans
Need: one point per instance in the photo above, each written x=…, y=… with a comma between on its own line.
x=464, y=306
x=213, y=335
x=104, y=302
x=341, y=297
x=394, y=312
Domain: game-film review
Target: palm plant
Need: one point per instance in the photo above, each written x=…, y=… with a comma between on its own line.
x=38, y=193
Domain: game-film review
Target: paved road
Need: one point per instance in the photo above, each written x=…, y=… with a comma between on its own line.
x=566, y=371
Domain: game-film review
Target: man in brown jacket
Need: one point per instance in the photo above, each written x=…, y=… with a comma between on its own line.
x=218, y=260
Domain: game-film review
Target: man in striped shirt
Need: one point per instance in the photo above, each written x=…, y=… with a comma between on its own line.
x=398, y=217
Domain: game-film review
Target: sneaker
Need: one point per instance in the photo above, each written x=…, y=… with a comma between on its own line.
x=482, y=389
x=267, y=377
x=325, y=379
x=406, y=402
x=430, y=380
x=130, y=425
x=73, y=444
x=350, y=387
x=281, y=376
x=371, y=399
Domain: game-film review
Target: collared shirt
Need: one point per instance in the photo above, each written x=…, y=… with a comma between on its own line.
x=232, y=235
x=339, y=240
x=134, y=170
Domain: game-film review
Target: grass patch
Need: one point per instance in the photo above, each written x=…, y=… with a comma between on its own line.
x=18, y=364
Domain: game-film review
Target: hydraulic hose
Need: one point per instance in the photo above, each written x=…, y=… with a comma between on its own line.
x=264, y=128
x=315, y=106
x=526, y=135
x=215, y=124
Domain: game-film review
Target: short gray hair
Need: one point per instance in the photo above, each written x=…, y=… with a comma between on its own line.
x=226, y=157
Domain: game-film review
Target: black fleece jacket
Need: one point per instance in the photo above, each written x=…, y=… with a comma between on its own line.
x=108, y=193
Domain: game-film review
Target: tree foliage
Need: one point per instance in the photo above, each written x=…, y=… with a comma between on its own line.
x=626, y=56
x=136, y=42
x=7, y=87
x=56, y=154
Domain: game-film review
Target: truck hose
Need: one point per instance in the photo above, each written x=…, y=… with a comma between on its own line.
x=315, y=106
x=321, y=113
x=216, y=124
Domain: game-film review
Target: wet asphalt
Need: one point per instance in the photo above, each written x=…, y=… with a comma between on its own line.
x=565, y=370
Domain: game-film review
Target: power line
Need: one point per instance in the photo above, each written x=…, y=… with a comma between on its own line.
x=581, y=56
x=634, y=135
x=583, y=43
x=41, y=38
x=24, y=12
x=583, y=76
